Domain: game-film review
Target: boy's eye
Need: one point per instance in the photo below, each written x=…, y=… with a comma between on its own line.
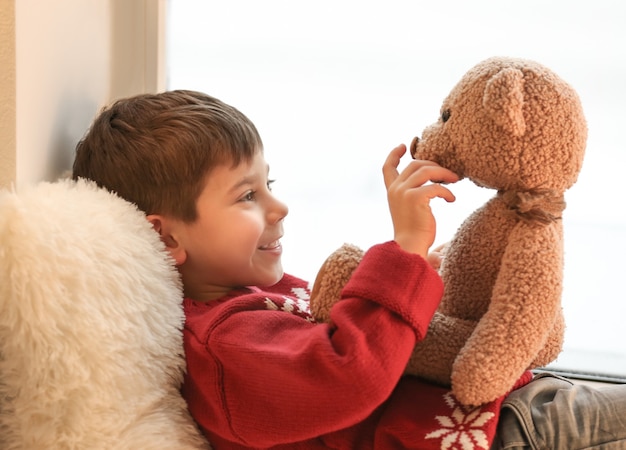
x=249, y=196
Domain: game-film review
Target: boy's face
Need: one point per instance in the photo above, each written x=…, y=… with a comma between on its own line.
x=235, y=241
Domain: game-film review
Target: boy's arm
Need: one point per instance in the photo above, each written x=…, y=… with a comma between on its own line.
x=267, y=377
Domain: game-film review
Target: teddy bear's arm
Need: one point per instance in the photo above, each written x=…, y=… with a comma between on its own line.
x=523, y=311
x=433, y=357
x=553, y=345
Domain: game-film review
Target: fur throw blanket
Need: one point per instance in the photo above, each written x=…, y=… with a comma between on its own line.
x=91, y=353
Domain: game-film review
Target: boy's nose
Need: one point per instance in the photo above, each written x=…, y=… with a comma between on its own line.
x=278, y=211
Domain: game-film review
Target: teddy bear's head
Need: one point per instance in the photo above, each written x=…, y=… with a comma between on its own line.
x=511, y=125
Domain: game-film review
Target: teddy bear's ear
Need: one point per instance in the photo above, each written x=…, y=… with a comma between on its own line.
x=504, y=100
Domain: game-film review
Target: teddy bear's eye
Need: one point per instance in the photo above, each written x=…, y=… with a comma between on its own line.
x=445, y=115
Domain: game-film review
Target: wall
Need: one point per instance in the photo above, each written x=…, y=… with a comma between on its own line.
x=7, y=92
x=70, y=58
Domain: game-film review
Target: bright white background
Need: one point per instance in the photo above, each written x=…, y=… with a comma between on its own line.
x=334, y=85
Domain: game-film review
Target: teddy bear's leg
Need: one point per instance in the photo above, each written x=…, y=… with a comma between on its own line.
x=433, y=357
x=331, y=278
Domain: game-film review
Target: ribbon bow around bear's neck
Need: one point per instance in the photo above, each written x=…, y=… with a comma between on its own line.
x=542, y=206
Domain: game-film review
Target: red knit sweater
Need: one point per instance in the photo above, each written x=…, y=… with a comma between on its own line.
x=261, y=374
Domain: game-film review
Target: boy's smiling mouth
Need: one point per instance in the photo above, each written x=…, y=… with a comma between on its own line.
x=271, y=246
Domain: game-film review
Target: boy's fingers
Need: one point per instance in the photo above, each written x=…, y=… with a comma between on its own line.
x=431, y=191
x=417, y=172
x=424, y=171
x=390, y=168
x=442, y=192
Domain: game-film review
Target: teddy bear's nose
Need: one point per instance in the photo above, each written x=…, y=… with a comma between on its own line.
x=414, y=146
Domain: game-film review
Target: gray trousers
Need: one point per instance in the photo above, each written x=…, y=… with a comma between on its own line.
x=552, y=413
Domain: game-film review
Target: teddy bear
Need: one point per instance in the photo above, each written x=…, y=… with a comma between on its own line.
x=514, y=126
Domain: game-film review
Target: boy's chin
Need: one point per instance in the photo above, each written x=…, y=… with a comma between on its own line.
x=272, y=280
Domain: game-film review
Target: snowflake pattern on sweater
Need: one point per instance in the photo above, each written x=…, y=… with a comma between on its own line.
x=446, y=424
x=463, y=428
x=298, y=305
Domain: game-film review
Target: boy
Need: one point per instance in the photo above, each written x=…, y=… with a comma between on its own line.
x=261, y=374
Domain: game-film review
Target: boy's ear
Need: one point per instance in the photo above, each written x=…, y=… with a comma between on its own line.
x=167, y=230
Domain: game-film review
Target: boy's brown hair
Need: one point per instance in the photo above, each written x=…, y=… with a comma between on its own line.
x=156, y=150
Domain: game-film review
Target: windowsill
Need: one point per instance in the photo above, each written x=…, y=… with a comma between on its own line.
x=595, y=380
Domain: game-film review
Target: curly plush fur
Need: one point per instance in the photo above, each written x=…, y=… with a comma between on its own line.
x=91, y=352
x=514, y=126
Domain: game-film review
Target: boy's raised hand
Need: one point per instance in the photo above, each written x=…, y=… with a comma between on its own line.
x=409, y=199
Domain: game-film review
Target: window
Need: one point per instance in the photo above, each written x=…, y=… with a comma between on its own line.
x=333, y=86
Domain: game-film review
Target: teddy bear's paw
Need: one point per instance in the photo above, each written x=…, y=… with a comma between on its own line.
x=480, y=385
x=472, y=396
x=331, y=278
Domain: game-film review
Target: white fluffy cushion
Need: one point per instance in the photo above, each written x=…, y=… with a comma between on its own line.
x=91, y=352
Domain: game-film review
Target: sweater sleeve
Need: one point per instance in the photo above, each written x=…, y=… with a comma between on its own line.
x=261, y=378
x=401, y=282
